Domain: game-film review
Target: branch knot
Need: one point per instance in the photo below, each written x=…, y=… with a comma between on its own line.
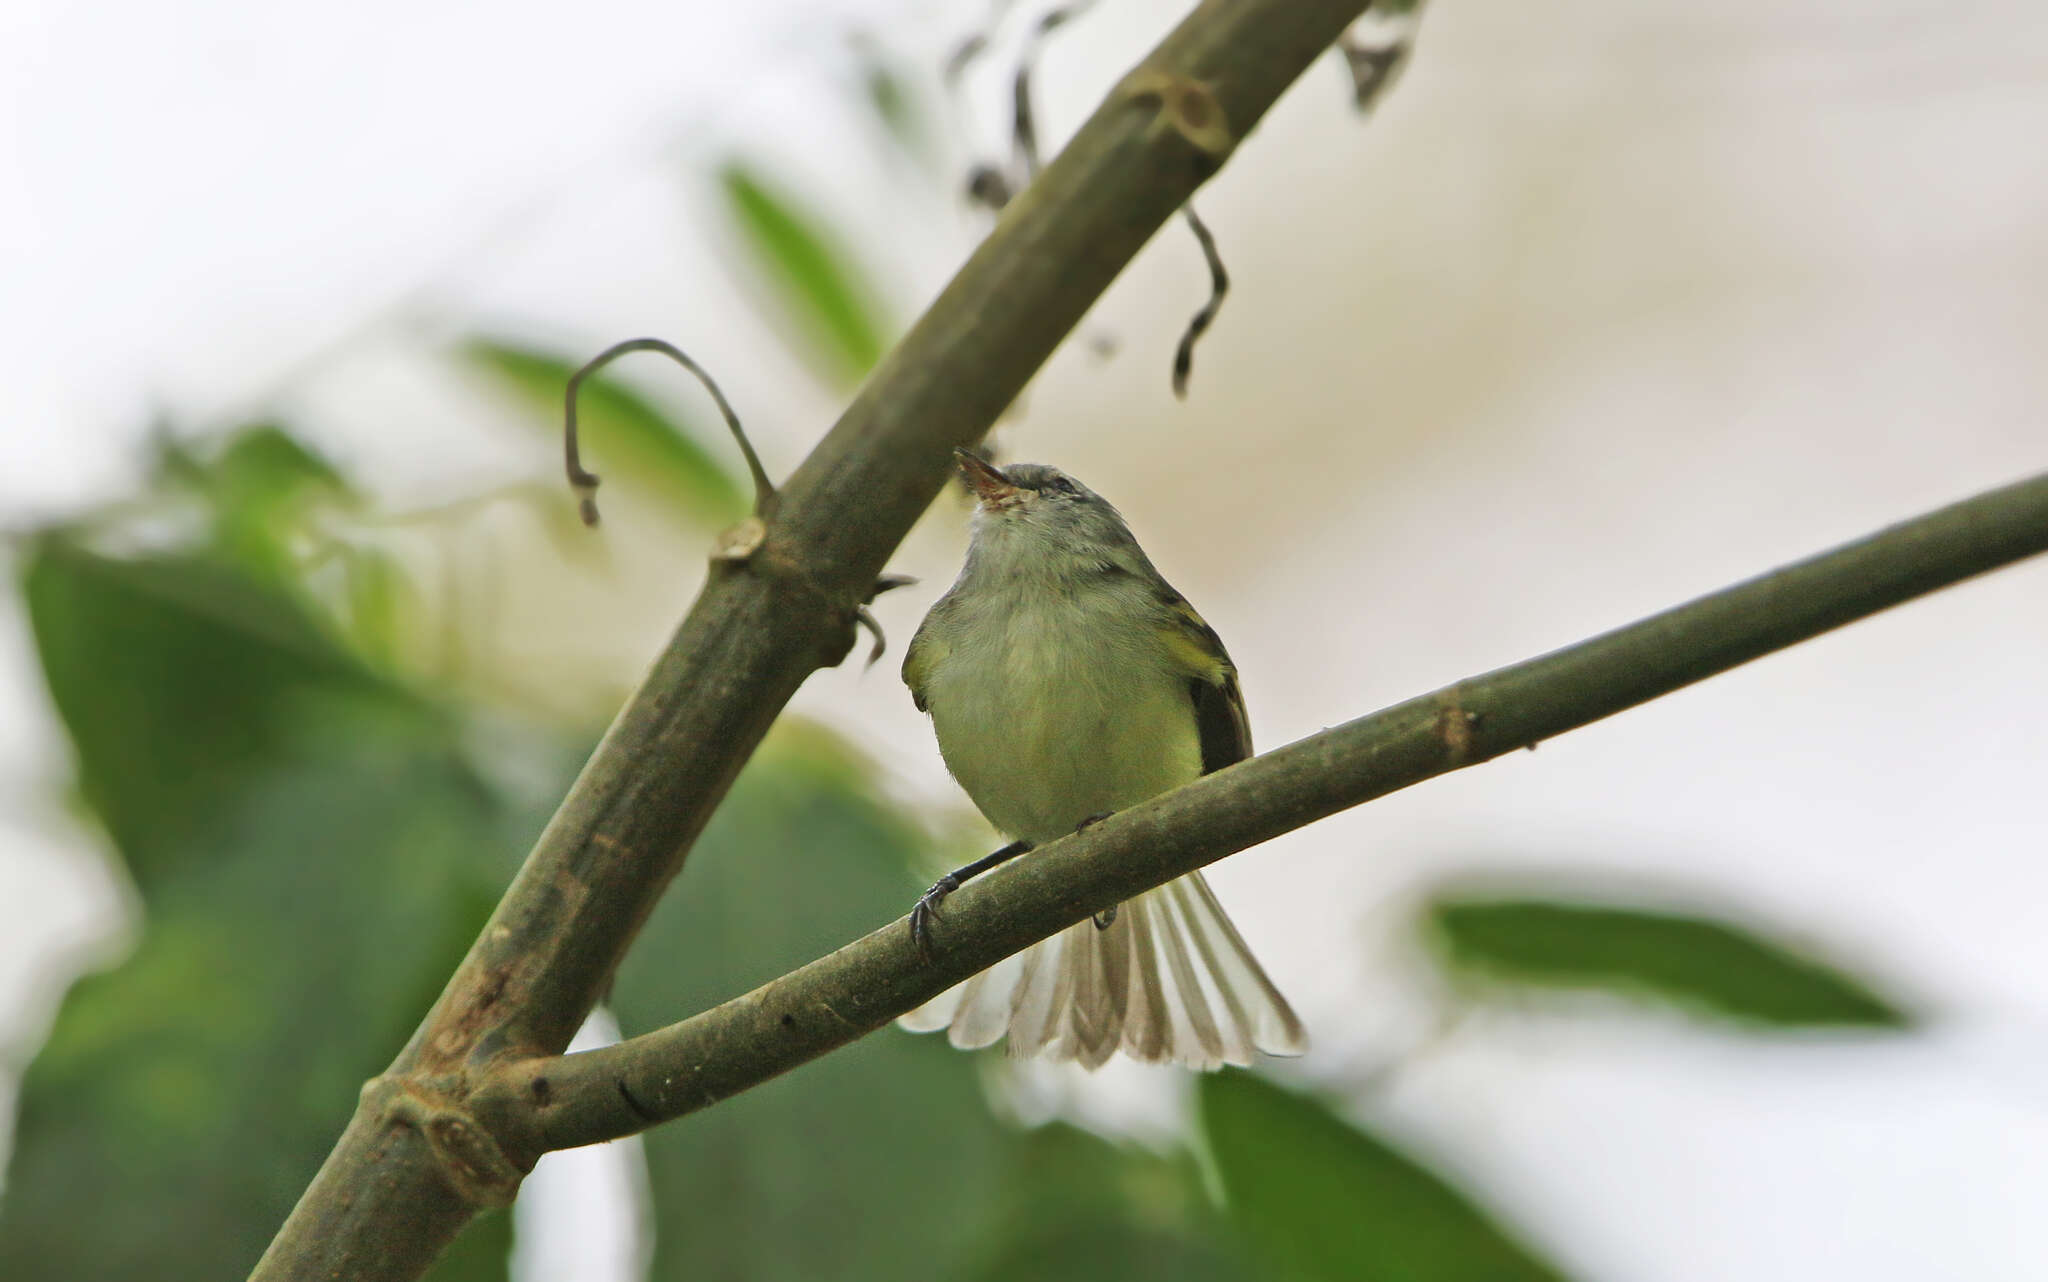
x=1187, y=107
x=468, y=1154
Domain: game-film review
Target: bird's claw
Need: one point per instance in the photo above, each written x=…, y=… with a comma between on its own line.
x=927, y=911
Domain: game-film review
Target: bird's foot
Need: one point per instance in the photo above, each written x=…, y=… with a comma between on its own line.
x=927, y=911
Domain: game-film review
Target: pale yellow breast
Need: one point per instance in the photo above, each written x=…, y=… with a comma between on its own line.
x=1050, y=716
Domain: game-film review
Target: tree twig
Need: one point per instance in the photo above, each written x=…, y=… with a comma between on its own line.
x=394, y=1192
x=1198, y=324
x=585, y=482
x=568, y=1100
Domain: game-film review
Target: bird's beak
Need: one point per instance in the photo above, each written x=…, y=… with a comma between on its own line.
x=990, y=485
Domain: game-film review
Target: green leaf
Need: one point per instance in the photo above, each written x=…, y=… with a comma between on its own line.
x=178, y=678
x=481, y=1253
x=257, y=487
x=624, y=438
x=1708, y=967
x=266, y=463
x=880, y=1161
x=313, y=853
x=887, y=95
x=378, y=599
x=1328, y=1202
x=1081, y=1209
x=831, y=306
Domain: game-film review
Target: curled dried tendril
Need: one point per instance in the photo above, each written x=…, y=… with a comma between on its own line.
x=585, y=482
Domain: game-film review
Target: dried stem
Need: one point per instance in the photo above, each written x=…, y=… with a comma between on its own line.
x=585, y=482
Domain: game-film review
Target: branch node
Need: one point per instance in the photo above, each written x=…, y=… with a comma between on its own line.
x=1456, y=726
x=469, y=1156
x=739, y=542
x=1186, y=106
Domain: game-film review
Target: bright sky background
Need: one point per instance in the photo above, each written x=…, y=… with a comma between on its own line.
x=1613, y=303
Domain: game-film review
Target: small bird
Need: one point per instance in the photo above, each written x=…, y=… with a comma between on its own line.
x=1066, y=680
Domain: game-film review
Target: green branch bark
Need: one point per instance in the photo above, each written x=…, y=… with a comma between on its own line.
x=563, y=1101
x=414, y=1164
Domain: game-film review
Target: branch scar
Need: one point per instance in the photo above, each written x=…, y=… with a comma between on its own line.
x=467, y=1153
x=1186, y=106
x=1455, y=726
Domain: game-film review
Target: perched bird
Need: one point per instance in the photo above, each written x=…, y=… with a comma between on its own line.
x=1065, y=681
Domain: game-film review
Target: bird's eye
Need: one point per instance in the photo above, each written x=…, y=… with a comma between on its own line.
x=1065, y=486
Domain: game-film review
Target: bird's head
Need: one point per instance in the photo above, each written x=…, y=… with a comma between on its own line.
x=1042, y=509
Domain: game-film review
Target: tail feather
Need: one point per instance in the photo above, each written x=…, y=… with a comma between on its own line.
x=1256, y=1006
x=980, y=1021
x=1169, y=980
x=1218, y=979
x=1148, y=1019
x=1096, y=1015
x=1202, y=1042
x=1040, y=1006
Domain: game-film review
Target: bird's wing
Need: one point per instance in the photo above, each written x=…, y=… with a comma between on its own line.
x=926, y=650
x=1226, y=732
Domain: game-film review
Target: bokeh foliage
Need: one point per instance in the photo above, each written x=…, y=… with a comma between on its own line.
x=313, y=840
x=1694, y=963
x=315, y=828
x=825, y=303
x=312, y=847
x=1326, y=1202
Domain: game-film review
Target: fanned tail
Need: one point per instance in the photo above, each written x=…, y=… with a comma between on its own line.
x=1170, y=980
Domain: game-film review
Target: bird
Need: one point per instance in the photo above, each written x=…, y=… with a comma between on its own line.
x=1066, y=680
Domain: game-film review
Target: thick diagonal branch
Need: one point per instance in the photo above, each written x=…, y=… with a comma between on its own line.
x=389, y=1198
x=564, y=1101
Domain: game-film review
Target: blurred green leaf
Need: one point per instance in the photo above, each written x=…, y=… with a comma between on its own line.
x=179, y=678
x=378, y=597
x=265, y=464
x=877, y=1162
x=624, y=438
x=1080, y=1209
x=481, y=1253
x=313, y=853
x=257, y=487
x=1709, y=967
x=832, y=306
x=893, y=103
x=315, y=844
x=1330, y=1203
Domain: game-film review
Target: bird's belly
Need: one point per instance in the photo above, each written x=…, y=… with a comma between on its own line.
x=1045, y=729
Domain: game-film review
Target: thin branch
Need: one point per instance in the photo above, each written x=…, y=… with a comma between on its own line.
x=1023, y=120
x=1198, y=324
x=585, y=483
x=394, y=1192
x=992, y=188
x=569, y=1100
